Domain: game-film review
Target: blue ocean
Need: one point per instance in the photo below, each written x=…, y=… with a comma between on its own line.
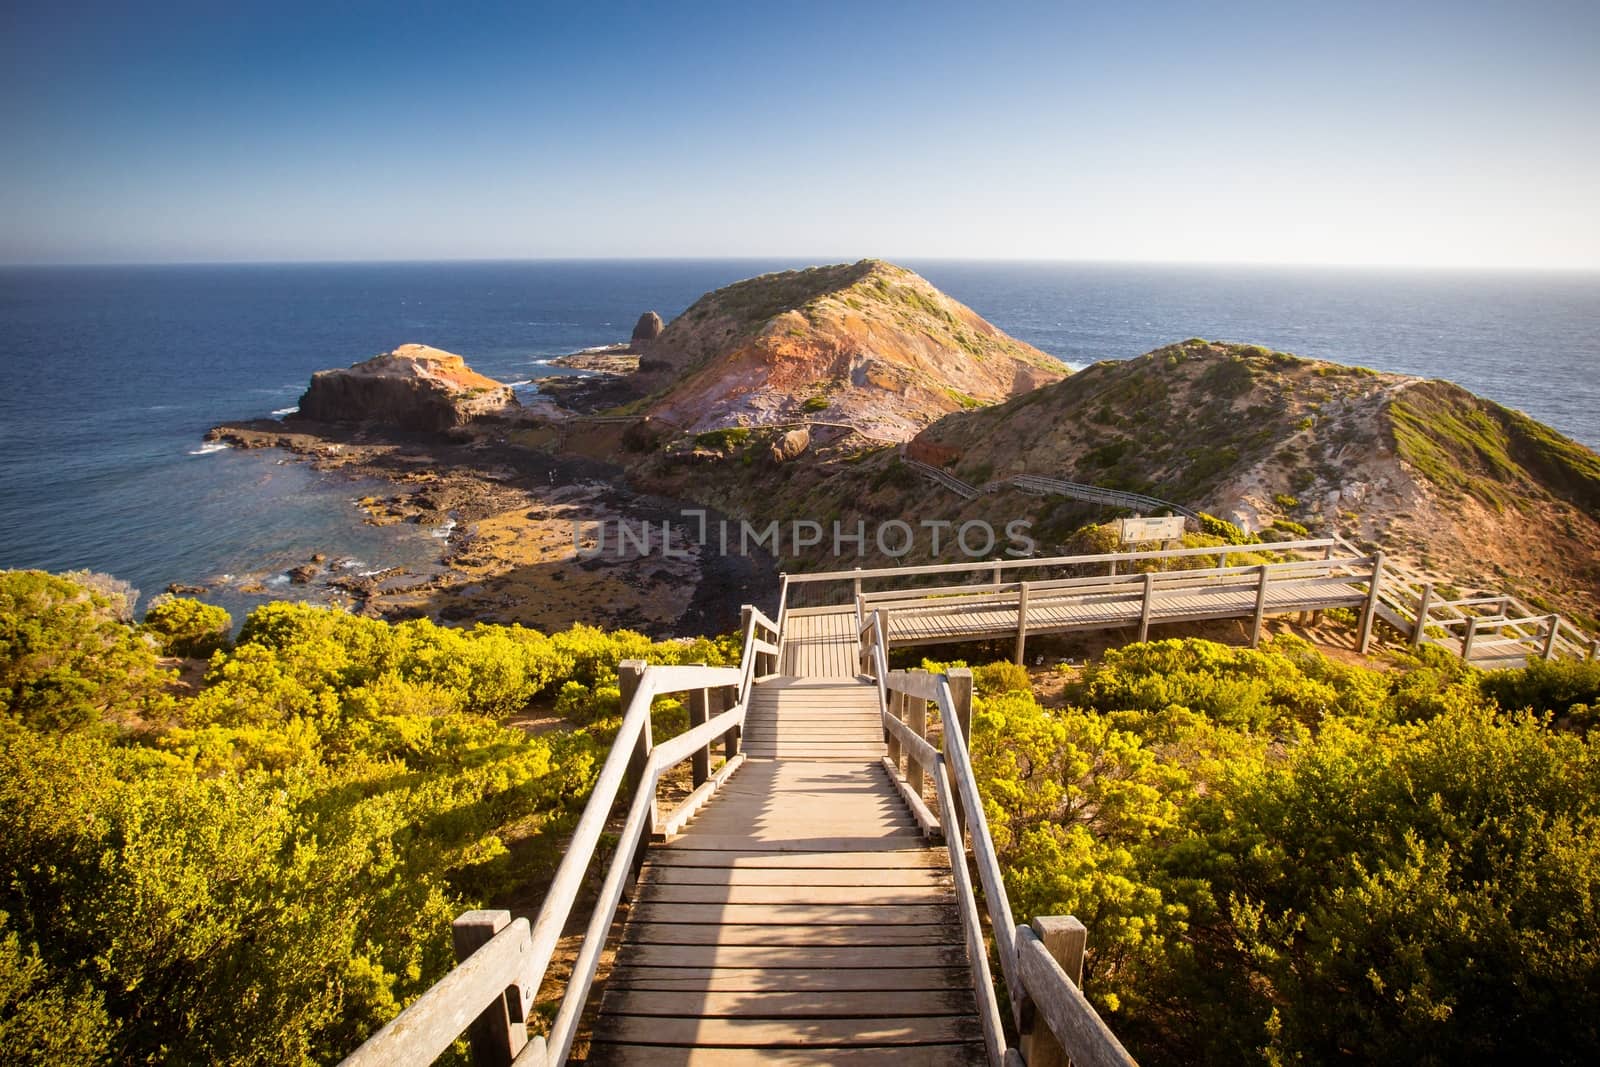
x=110, y=375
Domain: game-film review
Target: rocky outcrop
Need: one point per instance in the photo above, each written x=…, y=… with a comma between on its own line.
x=872, y=344
x=791, y=445
x=647, y=329
x=412, y=388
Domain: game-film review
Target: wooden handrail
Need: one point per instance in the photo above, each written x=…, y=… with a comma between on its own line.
x=515, y=960
x=1035, y=985
x=1060, y=561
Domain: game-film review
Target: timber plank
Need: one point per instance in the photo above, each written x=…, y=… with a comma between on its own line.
x=691, y=851
x=815, y=845
x=813, y=1004
x=810, y=914
x=787, y=877
x=812, y=958
x=968, y=1054
x=788, y=979
x=729, y=934
x=804, y=1033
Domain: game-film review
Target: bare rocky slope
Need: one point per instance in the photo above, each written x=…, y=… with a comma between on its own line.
x=870, y=345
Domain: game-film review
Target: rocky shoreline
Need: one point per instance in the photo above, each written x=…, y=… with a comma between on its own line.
x=504, y=512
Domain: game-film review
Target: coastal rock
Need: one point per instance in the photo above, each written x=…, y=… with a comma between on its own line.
x=791, y=445
x=180, y=589
x=415, y=387
x=647, y=329
x=303, y=574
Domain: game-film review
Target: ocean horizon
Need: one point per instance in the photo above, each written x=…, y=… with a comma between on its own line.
x=112, y=374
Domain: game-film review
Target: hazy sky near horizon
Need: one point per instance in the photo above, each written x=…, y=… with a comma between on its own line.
x=1434, y=133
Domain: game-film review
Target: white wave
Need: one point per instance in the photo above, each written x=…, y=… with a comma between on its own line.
x=278, y=580
x=210, y=447
x=286, y=411
x=351, y=564
x=443, y=530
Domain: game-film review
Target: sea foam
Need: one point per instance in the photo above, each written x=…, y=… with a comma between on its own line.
x=210, y=447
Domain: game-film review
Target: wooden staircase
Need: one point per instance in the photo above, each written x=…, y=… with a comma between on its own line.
x=802, y=905
x=801, y=917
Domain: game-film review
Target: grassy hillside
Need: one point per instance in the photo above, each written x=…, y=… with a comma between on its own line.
x=1467, y=445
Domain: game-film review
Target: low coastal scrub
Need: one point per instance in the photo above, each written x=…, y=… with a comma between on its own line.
x=264, y=870
x=1282, y=859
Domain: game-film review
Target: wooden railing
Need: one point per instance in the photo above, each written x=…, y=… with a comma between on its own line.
x=1502, y=628
x=846, y=585
x=1132, y=599
x=1095, y=494
x=1041, y=962
x=490, y=993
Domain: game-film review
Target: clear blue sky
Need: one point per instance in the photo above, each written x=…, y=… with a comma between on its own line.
x=1427, y=133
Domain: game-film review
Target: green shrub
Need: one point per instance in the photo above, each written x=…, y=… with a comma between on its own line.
x=1227, y=531
x=67, y=660
x=187, y=627
x=815, y=403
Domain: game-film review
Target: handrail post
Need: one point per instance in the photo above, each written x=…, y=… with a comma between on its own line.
x=918, y=721
x=1370, y=611
x=699, y=714
x=1149, y=603
x=498, y=1034
x=1471, y=636
x=729, y=696
x=630, y=673
x=1022, y=623
x=1261, y=607
x=960, y=681
x=1065, y=938
x=1424, y=603
x=1550, y=638
x=891, y=744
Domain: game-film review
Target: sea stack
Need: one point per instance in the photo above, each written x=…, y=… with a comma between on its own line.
x=415, y=387
x=647, y=329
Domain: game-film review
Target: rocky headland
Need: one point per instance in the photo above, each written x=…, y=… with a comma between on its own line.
x=802, y=395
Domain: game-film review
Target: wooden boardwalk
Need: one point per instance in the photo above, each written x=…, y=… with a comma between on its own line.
x=821, y=643
x=801, y=918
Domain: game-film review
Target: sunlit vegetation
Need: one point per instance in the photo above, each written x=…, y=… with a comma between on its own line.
x=1282, y=859
x=265, y=870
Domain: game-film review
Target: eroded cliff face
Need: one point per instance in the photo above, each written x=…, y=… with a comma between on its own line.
x=415, y=387
x=868, y=344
